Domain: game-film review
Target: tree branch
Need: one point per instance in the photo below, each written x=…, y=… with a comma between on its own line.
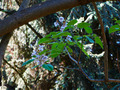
x=34, y=31
x=48, y=7
x=104, y=42
x=80, y=69
x=17, y=72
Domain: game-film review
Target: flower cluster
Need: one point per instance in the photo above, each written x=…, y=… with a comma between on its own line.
x=60, y=23
x=39, y=59
x=68, y=38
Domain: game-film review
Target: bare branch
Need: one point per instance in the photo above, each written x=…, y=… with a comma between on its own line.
x=104, y=42
x=34, y=30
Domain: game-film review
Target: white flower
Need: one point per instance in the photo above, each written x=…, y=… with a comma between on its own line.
x=68, y=38
x=61, y=19
x=41, y=47
x=56, y=24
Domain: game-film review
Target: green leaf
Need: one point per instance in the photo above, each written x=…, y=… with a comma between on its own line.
x=69, y=49
x=44, y=40
x=88, y=29
x=118, y=21
x=28, y=62
x=83, y=50
x=114, y=28
x=61, y=34
x=71, y=43
x=98, y=41
x=53, y=55
x=72, y=22
x=35, y=66
x=83, y=25
x=91, y=41
x=42, y=52
x=48, y=67
x=57, y=48
x=34, y=56
x=77, y=37
x=51, y=33
x=80, y=45
x=68, y=27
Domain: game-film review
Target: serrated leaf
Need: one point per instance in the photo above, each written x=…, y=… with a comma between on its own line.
x=83, y=25
x=98, y=41
x=114, y=28
x=88, y=29
x=72, y=22
x=48, y=67
x=28, y=62
x=90, y=39
x=35, y=66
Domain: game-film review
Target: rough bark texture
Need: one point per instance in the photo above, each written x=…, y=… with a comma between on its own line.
x=48, y=7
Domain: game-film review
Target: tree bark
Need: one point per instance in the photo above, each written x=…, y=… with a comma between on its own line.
x=48, y=7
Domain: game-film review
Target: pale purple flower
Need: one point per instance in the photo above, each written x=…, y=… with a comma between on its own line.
x=34, y=53
x=61, y=19
x=56, y=24
x=41, y=47
x=63, y=27
x=40, y=59
x=68, y=38
x=44, y=57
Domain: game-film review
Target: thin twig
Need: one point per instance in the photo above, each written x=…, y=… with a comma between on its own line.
x=92, y=80
x=17, y=72
x=34, y=30
x=69, y=68
x=104, y=42
x=70, y=56
x=118, y=61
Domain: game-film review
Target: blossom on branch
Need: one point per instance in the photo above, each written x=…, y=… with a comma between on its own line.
x=68, y=38
x=61, y=19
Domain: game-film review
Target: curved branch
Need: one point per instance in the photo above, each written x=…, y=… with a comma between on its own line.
x=48, y=7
